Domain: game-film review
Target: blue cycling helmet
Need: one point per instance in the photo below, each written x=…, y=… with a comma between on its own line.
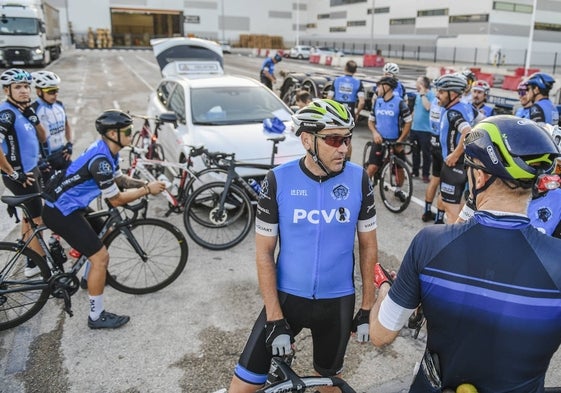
x=544, y=82
x=278, y=57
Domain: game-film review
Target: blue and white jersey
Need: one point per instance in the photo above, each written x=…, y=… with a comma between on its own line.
x=53, y=119
x=543, y=111
x=453, y=121
x=269, y=65
x=346, y=89
x=491, y=293
x=435, y=112
x=523, y=112
x=18, y=138
x=91, y=174
x=485, y=110
x=545, y=211
x=316, y=220
x=389, y=115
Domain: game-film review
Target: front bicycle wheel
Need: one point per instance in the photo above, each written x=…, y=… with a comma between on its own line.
x=20, y=297
x=396, y=185
x=217, y=226
x=164, y=256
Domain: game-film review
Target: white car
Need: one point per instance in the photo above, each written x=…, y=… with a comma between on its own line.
x=300, y=52
x=226, y=48
x=327, y=51
x=221, y=112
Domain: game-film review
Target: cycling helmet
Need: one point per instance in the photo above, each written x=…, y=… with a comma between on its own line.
x=15, y=75
x=389, y=81
x=469, y=75
x=391, y=68
x=510, y=148
x=45, y=79
x=542, y=81
x=112, y=119
x=451, y=82
x=278, y=57
x=480, y=85
x=322, y=114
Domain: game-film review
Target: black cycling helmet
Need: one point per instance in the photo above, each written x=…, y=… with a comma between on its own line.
x=389, y=81
x=544, y=82
x=112, y=119
x=510, y=148
x=451, y=82
x=278, y=58
x=322, y=114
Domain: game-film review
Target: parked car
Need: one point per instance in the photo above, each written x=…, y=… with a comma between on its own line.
x=222, y=112
x=226, y=48
x=300, y=52
x=325, y=50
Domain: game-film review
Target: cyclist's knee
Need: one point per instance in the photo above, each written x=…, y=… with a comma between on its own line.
x=100, y=258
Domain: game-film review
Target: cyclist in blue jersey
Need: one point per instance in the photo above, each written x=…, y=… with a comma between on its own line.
x=389, y=112
x=267, y=72
x=542, y=111
x=348, y=90
x=316, y=205
x=56, y=152
x=20, y=134
x=544, y=209
x=525, y=102
x=95, y=172
x=392, y=70
x=455, y=121
x=490, y=287
x=421, y=130
x=480, y=92
x=467, y=96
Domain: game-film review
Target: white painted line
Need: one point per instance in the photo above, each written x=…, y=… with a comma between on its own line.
x=136, y=73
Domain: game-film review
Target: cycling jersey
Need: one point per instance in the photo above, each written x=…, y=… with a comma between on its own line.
x=523, y=112
x=306, y=210
x=485, y=110
x=400, y=90
x=453, y=121
x=435, y=111
x=490, y=290
x=346, y=90
x=18, y=138
x=53, y=119
x=388, y=115
x=543, y=111
x=545, y=211
x=89, y=175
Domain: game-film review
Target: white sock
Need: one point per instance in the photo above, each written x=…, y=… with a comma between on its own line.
x=96, y=307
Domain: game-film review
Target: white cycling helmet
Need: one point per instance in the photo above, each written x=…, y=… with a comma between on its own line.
x=15, y=75
x=45, y=79
x=391, y=68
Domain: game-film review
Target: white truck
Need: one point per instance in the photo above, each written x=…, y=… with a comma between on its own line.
x=29, y=33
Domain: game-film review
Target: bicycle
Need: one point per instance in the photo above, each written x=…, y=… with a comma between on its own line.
x=282, y=378
x=219, y=215
x=393, y=177
x=146, y=255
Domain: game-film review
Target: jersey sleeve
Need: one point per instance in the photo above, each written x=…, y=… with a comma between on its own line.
x=7, y=120
x=267, y=215
x=405, y=112
x=103, y=174
x=457, y=120
x=367, y=215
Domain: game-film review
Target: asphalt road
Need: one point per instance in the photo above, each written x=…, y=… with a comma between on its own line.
x=187, y=337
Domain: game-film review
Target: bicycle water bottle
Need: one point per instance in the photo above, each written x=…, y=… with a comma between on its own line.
x=255, y=185
x=163, y=178
x=175, y=186
x=57, y=252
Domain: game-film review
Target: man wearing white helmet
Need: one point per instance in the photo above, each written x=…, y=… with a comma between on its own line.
x=392, y=69
x=56, y=152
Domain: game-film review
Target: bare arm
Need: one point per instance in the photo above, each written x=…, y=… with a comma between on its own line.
x=267, y=275
x=124, y=197
x=379, y=335
x=68, y=132
x=368, y=249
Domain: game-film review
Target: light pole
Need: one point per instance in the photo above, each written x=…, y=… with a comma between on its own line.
x=531, y=38
x=297, y=22
x=372, y=29
x=223, y=22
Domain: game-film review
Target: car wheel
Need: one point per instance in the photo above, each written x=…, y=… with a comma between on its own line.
x=300, y=57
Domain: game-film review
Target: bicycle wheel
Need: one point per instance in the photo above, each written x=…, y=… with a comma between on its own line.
x=136, y=142
x=396, y=185
x=366, y=154
x=17, y=304
x=165, y=256
x=155, y=152
x=217, y=227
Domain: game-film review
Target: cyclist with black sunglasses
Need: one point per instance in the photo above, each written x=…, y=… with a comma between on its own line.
x=71, y=191
x=56, y=152
x=317, y=205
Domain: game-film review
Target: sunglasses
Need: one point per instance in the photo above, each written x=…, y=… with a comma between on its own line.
x=335, y=140
x=51, y=92
x=522, y=92
x=126, y=131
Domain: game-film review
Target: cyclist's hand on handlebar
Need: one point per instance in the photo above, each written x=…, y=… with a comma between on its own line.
x=279, y=337
x=361, y=326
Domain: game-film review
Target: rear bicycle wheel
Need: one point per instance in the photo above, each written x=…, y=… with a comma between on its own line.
x=212, y=225
x=135, y=142
x=396, y=185
x=20, y=297
x=165, y=256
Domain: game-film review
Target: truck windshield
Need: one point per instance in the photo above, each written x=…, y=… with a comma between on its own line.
x=18, y=26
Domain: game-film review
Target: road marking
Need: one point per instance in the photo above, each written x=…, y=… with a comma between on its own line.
x=136, y=73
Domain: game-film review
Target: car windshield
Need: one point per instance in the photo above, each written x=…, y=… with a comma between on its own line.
x=235, y=105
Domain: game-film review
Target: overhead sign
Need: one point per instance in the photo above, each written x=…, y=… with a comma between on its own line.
x=194, y=19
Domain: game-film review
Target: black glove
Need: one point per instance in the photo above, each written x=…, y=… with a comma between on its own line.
x=29, y=114
x=361, y=325
x=44, y=166
x=68, y=148
x=279, y=337
x=18, y=176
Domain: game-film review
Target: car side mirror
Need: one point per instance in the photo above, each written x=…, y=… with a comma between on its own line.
x=169, y=117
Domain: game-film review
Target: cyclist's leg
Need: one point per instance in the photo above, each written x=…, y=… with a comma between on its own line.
x=415, y=152
x=375, y=159
x=452, y=185
x=434, y=182
x=400, y=177
x=426, y=156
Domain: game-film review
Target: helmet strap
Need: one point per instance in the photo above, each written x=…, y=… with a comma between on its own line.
x=13, y=100
x=315, y=156
x=117, y=142
x=474, y=191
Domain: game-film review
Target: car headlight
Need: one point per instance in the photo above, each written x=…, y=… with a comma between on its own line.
x=37, y=53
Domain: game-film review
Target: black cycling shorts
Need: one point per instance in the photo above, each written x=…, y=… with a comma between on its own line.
x=35, y=205
x=80, y=233
x=453, y=182
x=436, y=154
x=378, y=152
x=329, y=321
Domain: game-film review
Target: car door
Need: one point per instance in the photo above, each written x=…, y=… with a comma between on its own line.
x=177, y=104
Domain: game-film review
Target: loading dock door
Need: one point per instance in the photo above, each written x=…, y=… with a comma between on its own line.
x=137, y=26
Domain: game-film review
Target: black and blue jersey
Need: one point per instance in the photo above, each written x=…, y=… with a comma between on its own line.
x=453, y=120
x=543, y=111
x=18, y=139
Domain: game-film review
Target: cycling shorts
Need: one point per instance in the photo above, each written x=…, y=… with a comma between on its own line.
x=35, y=205
x=78, y=232
x=329, y=321
x=436, y=154
x=453, y=182
x=378, y=152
